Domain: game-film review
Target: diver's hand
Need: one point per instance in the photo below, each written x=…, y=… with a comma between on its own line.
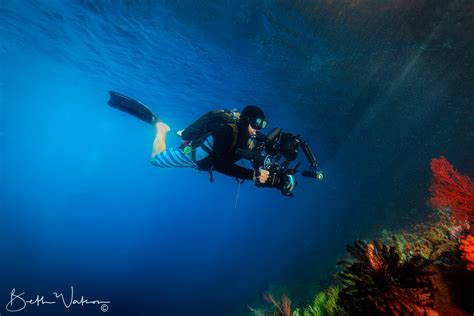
x=263, y=175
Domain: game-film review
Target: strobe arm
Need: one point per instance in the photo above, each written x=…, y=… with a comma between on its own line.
x=309, y=155
x=312, y=172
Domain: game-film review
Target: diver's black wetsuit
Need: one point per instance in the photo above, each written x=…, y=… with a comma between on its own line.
x=223, y=157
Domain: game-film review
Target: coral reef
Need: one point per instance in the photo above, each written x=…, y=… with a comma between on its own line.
x=435, y=240
x=377, y=282
x=451, y=189
x=423, y=270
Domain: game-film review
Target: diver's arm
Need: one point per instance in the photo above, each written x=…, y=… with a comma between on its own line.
x=223, y=139
x=220, y=159
x=236, y=171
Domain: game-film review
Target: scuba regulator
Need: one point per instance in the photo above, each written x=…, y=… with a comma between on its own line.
x=274, y=152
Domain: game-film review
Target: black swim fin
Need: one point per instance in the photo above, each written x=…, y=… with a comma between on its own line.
x=132, y=107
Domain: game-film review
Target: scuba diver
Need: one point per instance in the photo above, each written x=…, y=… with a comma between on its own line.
x=208, y=144
x=220, y=138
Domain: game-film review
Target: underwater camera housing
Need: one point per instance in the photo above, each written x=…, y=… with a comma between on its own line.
x=274, y=152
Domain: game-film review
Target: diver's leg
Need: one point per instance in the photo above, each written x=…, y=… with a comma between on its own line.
x=159, y=144
x=173, y=157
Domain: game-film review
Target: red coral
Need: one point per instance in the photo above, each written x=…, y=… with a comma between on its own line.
x=450, y=189
x=467, y=247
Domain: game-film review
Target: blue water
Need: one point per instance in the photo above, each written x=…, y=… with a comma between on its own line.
x=82, y=206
